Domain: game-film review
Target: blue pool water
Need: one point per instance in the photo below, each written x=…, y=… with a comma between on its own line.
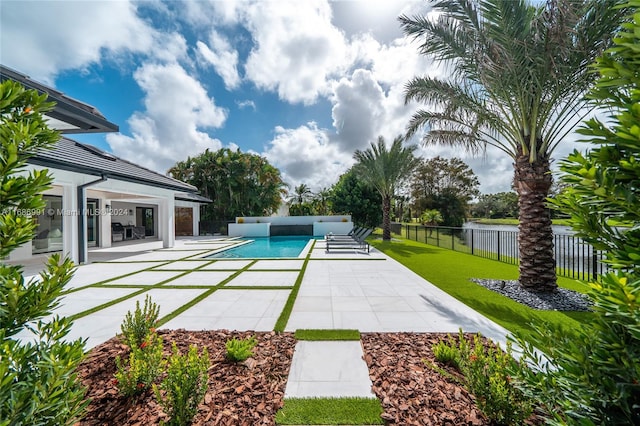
x=289, y=246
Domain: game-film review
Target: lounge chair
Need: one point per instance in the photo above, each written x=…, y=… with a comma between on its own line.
x=350, y=244
x=351, y=235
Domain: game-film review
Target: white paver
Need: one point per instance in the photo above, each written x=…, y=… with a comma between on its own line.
x=105, y=324
x=328, y=369
x=145, y=278
x=211, y=278
x=264, y=279
x=88, y=298
x=227, y=264
x=182, y=265
x=163, y=255
x=234, y=310
x=95, y=272
x=277, y=264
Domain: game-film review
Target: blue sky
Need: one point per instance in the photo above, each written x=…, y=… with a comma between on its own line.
x=303, y=83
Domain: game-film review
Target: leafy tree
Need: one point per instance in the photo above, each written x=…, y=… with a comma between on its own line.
x=239, y=184
x=322, y=202
x=516, y=82
x=300, y=201
x=593, y=378
x=38, y=383
x=447, y=185
x=385, y=169
x=351, y=195
x=496, y=206
x=431, y=217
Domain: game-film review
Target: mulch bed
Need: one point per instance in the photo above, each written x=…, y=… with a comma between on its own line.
x=411, y=392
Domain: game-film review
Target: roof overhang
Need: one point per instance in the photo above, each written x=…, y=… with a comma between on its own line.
x=69, y=115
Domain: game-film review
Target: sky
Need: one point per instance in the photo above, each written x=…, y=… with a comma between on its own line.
x=302, y=83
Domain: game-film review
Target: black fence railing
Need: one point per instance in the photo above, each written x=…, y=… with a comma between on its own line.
x=574, y=257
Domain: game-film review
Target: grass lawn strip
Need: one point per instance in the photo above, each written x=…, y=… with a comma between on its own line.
x=203, y=296
x=330, y=411
x=101, y=284
x=330, y=335
x=450, y=271
x=281, y=324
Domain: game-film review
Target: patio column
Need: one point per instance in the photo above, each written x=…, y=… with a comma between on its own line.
x=70, y=212
x=166, y=226
x=105, y=223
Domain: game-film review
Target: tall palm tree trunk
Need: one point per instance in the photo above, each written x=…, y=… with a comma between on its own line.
x=537, y=263
x=386, y=218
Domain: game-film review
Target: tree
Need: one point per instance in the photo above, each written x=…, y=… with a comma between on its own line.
x=593, y=373
x=351, y=195
x=384, y=170
x=38, y=383
x=431, y=217
x=239, y=184
x=517, y=82
x=496, y=206
x=300, y=201
x=322, y=202
x=447, y=185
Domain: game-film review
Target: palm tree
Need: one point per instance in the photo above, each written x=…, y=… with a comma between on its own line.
x=384, y=170
x=321, y=201
x=301, y=194
x=518, y=75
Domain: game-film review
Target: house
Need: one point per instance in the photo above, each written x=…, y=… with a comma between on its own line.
x=96, y=198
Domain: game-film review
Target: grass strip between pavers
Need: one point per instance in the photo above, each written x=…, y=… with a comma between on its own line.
x=330, y=411
x=107, y=304
x=201, y=297
x=321, y=335
x=283, y=319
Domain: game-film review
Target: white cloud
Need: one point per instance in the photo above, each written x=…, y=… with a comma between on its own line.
x=306, y=155
x=56, y=36
x=246, y=104
x=223, y=57
x=297, y=49
x=177, y=109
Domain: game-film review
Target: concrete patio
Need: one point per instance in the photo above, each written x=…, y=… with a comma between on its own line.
x=346, y=290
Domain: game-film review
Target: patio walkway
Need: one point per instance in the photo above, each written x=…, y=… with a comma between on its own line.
x=346, y=290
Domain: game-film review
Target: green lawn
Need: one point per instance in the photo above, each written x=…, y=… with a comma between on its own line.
x=330, y=411
x=450, y=271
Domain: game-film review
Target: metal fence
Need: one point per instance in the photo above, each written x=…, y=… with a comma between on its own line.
x=574, y=257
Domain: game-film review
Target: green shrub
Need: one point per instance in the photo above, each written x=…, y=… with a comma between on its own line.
x=486, y=371
x=240, y=350
x=139, y=324
x=38, y=381
x=446, y=354
x=185, y=385
x=144, y=366
x=593, y=378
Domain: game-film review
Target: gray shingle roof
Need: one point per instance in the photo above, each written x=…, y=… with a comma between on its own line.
x=74, y=156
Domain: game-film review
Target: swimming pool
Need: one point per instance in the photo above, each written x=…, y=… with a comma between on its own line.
x=272, y=247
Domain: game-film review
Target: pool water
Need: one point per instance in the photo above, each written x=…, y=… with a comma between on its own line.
x=272, y=247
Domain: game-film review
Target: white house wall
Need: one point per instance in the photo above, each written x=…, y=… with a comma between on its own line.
x=65, y=183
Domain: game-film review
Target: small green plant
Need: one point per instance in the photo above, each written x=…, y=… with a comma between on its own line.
x=144, y=367
x=486, y=370
x=137, y=326
x=240, y=350
x=446, y=354
x=185, y=385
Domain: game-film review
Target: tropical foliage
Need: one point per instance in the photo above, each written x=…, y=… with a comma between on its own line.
x=516, y=80
x=496, y=206
x=38, y=383
x=446, y=185
x=351, y=195
x=595, y=378
x=300, y=201
x=385, y=169
x=239, y=184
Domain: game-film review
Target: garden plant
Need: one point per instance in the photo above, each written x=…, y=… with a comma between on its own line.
x=593, y=376
x=38, y=382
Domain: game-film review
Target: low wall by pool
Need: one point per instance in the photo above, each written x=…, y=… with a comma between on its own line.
x=290, y=225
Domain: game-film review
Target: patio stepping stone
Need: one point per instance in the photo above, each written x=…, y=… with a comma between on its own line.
x=328, y=369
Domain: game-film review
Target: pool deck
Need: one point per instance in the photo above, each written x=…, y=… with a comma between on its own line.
x=349, y=289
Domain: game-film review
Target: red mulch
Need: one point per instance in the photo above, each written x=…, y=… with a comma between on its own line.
x=250, y=394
